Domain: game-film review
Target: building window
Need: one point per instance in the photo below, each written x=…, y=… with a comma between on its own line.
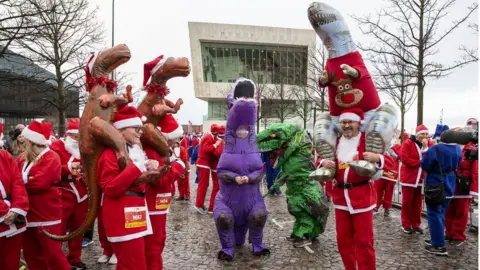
x=225, y=62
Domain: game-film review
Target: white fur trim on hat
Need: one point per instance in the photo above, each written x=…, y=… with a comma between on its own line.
x=425, y=131
x=130, y=122
x=72, y=131
x=144, y=118
x=350, y=116
x=158, y=65
x=35, y=137
x=177, y=133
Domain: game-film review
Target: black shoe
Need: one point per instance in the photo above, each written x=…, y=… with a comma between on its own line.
x=456, y=243
x=375, y=210
x=386, y=213
x=407, y=230
x=78, y=266
x=180, y=199
x=224, y=256
x=439, y=251
x=187, y=198
x=298, y=243
x=417, y=230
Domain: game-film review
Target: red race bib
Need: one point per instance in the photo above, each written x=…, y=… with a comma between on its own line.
x=135, y=217
x=162, y=201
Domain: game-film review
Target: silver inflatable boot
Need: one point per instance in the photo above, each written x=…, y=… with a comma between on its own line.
x=326, y=146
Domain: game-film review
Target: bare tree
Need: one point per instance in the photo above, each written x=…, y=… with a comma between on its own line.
x=63, y=43
x=279, y=102
x=396, y=79
x=471, y=53
x=303, y=108
x=419, y=21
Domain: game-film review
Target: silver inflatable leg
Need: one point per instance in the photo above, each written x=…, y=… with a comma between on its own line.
x=326, y=134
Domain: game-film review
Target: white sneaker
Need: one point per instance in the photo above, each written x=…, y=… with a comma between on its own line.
x=103, y=259
x=113, y=259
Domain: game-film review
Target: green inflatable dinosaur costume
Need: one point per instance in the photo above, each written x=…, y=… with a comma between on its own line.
x=290, y=149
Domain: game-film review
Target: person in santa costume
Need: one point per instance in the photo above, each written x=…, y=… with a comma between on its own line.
x=41, y=170
x=183, y=181
x=217, y=152
x=386, y=184
x=440, y=163
x=74, y=190
x=124, y=210
x=411, y=179
x=205, y=162
x=159, y=195
x=189, y=142
x=353, y=195
x=456, y=219
x=13, y=210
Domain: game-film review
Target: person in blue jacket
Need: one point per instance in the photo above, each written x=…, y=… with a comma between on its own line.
x=449, y=156
x=271, y=174
x=193, y=160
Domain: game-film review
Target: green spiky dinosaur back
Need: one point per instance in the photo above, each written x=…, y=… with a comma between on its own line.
x=305, y=197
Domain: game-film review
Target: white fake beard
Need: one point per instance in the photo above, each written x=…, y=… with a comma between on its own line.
x=347, y=148
x=136, y=153
x=71, y=146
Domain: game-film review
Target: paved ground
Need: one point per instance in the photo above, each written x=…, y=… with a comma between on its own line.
x=192, y=243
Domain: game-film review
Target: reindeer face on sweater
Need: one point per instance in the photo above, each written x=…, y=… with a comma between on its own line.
x=347, y=96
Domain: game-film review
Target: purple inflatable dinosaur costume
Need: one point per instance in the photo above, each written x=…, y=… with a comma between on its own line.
x=239, y=206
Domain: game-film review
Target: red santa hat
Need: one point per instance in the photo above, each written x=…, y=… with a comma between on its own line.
x=405, y=136
x=422, y=129
x=73, y=125
x=88, y=71
x=221, y=130
x=128, y=116
x=38, y=133
x=151, y=67
x=353, y=114
x=472, y=121
x=214, y=128
x=170, y=128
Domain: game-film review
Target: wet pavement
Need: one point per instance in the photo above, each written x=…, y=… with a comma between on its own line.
x=192, y=243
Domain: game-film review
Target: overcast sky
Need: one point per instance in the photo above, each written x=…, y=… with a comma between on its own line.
x=151, y=28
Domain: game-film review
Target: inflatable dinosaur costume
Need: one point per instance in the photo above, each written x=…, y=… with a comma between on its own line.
x=239, y=205
x=290, y=149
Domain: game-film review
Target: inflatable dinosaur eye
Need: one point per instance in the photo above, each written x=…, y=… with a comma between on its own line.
x=340, y=88
x=347, y=86
x=273, y=135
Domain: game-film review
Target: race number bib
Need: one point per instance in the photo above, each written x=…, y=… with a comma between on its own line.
x=135, y=217
x=162, y=201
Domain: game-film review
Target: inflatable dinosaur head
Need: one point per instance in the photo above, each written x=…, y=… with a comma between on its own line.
x=242, y=106
x=275, y=140
x=170, y=67
x=108, y=60
x=332, y=29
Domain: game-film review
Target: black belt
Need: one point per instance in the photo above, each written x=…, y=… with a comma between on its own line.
x=134, y=193
x=8, y=197
x=68, y=181
x=352, y=185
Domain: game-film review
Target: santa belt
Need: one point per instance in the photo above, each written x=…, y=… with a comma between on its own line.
x=352, y=185
x=68, y=180
x=134, y=193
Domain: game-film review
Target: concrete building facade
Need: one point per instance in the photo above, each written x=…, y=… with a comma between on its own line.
x=273, y=57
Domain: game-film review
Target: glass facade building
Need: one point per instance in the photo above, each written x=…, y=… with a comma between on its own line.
x=267, y=64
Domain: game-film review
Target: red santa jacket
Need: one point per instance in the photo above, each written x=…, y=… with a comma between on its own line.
x=186, y=142
x=69, y=183
x=183, y=156
x=411, y=174
x=360, y=198
x=362, y=93
x=13, y=196
x=217, y=152
x=159, y=194
x=40, y=181
x=125, y=216
x=392, y=175
x=468, y=169
x=205, y=151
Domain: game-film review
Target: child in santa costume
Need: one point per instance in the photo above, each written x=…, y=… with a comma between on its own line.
x=124, y=209
x=456, y=219
x=159, y=194
x=386, y=184
x=41, y=171
x=205, y=162
x=353, y=195
x=411, y=179
x=440, y=163
x=13, y=210
x=74, y=191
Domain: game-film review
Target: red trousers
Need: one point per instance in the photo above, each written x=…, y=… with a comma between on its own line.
x=384, y=190
x=102, y=237
x=184, y=186
x=411, y=207
x=10, y=252
x=41, y=252
x=130, y=254
x=73, y=215
x=154, y=243
x=203, y=182
x=355, y=239
x=456, y=219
